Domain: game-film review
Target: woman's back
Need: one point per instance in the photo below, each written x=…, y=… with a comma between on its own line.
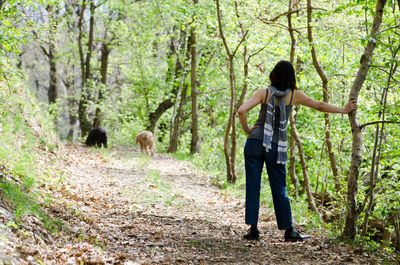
x=258, y=133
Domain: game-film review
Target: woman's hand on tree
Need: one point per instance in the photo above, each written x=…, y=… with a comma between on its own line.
x=350, y=106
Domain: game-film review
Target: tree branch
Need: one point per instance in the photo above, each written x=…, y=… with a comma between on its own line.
x=44, y=50
x=291, y=12
x=394, y=27
x=221, y=32
x=378, y=122
x=208, y=63
x=240, y=43
x=285, y=14
x=276, y=24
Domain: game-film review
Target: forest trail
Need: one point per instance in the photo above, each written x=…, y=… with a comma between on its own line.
x=124, y=208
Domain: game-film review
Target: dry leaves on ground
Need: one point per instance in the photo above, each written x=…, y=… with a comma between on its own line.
x=124, y=208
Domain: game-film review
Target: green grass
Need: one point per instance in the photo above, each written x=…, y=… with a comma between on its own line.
x=181, y=156
x=24, y=132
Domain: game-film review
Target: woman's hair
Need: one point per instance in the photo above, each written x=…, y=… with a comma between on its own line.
x=282, y=76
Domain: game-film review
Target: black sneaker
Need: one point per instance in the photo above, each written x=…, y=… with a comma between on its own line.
x=295, y=236
x=253, y=234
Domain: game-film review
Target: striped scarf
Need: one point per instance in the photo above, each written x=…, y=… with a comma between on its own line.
x=270, y=122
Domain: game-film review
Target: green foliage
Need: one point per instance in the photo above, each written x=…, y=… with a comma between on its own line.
x=23, y=133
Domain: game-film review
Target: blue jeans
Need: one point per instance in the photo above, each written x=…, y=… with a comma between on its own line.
x=255, y=156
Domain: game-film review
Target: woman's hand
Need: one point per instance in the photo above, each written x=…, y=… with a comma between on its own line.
x=350, y=106
x=251, y=129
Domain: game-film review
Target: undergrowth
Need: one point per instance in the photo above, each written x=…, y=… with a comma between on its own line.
x=24, y=134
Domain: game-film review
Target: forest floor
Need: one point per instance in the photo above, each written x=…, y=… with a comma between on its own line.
x=124, y=208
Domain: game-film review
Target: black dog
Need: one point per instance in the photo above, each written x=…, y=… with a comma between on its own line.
x=97, y=137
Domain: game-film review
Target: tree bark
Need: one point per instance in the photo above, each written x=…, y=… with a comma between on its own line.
x=324, y=79
x=179, y=105
x=352, y=210
x=173, y=143
x=230, y=153
x=50, y=52
x=294, y=136
x=230, y=169
x=105, y=52
x=194, y=144
x=310, y=197
x=376, y=153
x=52, y=93
x=292, y=118
x=85, y=67
x=231, y=160
x=161, y=109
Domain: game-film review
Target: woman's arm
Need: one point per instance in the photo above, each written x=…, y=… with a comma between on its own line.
x=301, y=98
x=253, y=101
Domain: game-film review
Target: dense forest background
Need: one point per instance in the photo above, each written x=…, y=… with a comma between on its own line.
x=181, y=69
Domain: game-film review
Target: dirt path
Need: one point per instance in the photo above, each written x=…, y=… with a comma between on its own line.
x=129, y=209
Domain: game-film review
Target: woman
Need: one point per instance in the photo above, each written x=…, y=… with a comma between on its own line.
x=267, y=143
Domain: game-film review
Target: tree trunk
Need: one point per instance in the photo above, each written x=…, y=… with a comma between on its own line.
x=230, y=171
x=246, y=61
x=182, y=91
x=161, y=109
x=52, y=93
x=292, y=118
x=292, y=158
x=69, y=83
x=105, y=52
x=230, y=167
x=304, y=167
x=50, y=52
x=324, y=79
x=230, y=153
x=352, y=210
x=379, y=139
x=85, y=67
x=194, y=145
x=173, y=143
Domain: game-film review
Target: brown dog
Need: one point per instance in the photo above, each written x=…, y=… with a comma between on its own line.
x=146, y=141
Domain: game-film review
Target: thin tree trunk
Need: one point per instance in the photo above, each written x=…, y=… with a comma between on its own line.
x=88, y=69
x=105, y=52
x=85, y=67
x=194, y=145
x=230, y=170
x=173, y=143
x=324, y=78
x=352, y=210
x=379, y=135
x=230, y=153
x=178, y=109
x=230, y=162
x=304, y=167
x=69, y=84
x=292, y=118
x=52, y=93
x=50, y=52
x=68, y=78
